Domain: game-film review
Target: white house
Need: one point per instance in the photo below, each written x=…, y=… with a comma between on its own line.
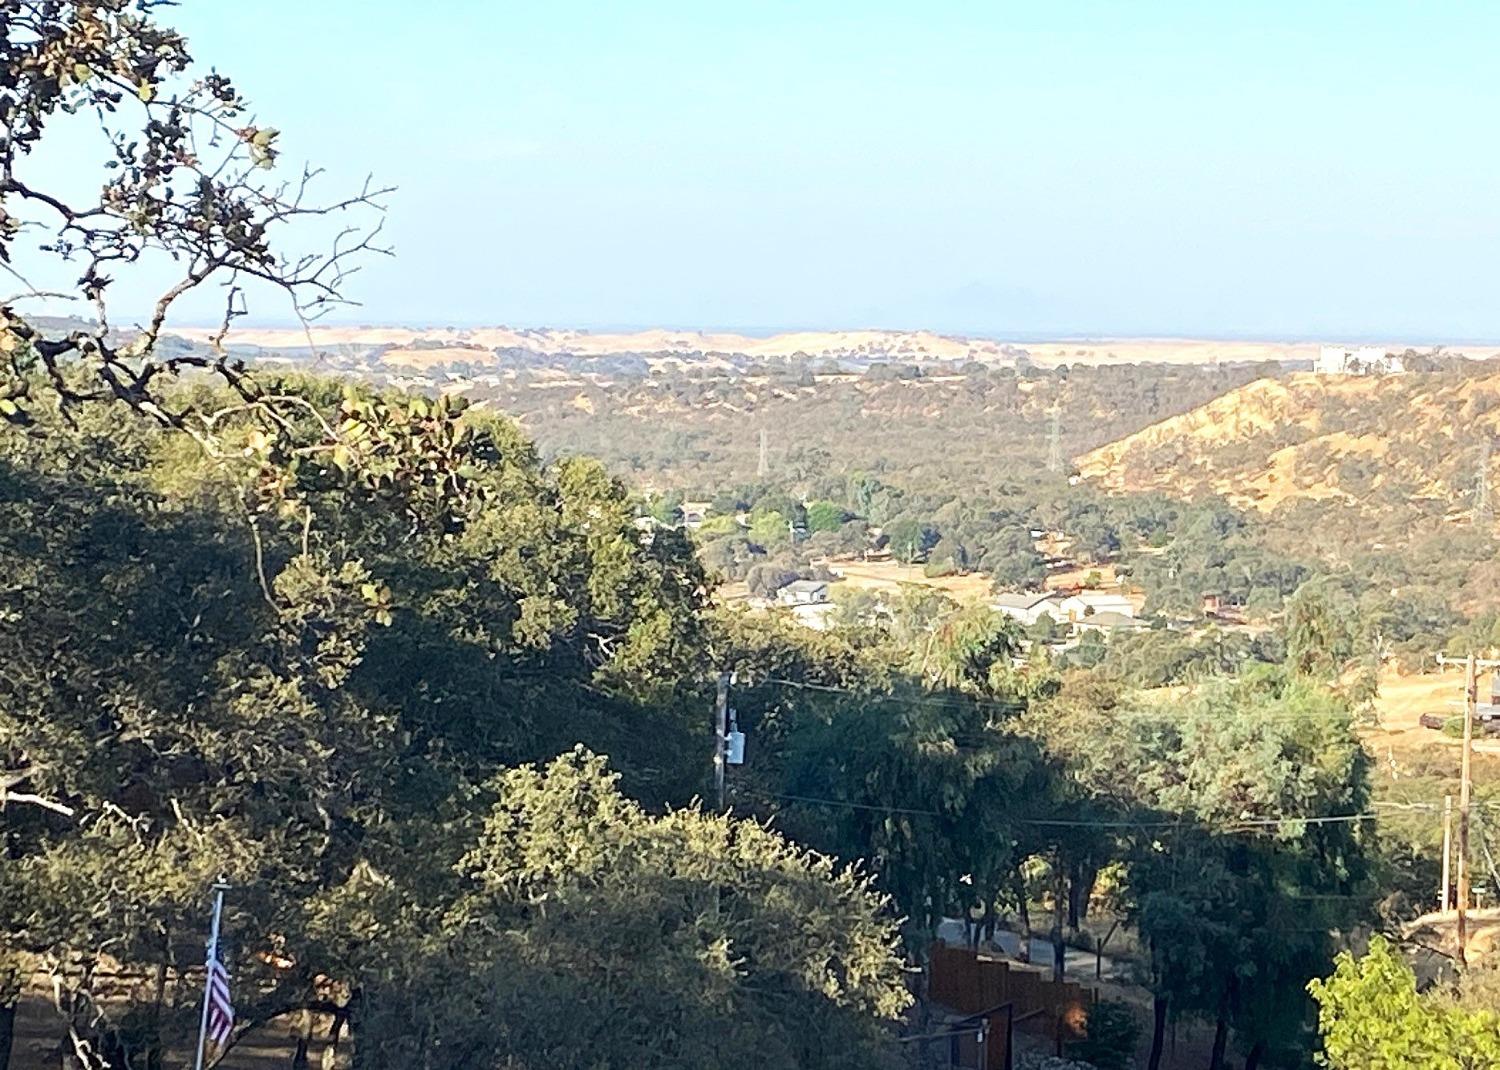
x=803, y=593
x=1075, y=607
x=1109, y=621
x=1365, y=360
x=694, y=513
x=1028, y=607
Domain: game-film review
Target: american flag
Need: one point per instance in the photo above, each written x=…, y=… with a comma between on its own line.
x=220, y=1010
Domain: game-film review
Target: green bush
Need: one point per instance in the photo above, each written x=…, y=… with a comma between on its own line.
x=1112, y=1033
x=1371, y=1017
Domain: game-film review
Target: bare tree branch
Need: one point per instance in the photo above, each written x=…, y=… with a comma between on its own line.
x=224, y=219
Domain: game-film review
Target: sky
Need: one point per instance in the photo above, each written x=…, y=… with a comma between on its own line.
x=1279, y=170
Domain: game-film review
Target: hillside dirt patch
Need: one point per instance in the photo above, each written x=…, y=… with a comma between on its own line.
x=1402, y=701
x=891, y=576
x=1274, y=440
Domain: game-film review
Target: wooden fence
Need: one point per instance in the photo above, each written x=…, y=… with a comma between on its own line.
x=969, y=983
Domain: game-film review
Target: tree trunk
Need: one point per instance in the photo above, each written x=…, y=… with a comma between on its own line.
x=1221, y=1033
x=337, y=1056
x=7, y=1033
x=155, y=1055
x=304, y=1041
x=1024, y=955
x=1099, y=950
x=1080, y=887
x=1059, y=914
x=1088, y=878
x=1158, y=1031
x=1252, y=1060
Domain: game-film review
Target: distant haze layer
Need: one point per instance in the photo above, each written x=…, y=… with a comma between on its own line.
x=423, y=347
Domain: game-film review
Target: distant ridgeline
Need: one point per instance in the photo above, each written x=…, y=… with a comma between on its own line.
x=1231, y=480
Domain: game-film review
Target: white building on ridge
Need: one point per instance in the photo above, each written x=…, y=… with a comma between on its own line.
x=1364, y=360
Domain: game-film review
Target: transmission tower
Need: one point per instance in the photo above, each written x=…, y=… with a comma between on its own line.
x=1484, y=510
x=764, y=469
x=1054, y=441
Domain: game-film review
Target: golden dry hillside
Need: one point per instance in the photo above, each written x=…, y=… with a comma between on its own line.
x=1377, y=443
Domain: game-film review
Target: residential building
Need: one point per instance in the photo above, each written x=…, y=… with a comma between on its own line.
x=1027, y=607
x=1081, y=604
x=804, y=593
x=694, y=513
x=1363, y=360
x=1110, y=621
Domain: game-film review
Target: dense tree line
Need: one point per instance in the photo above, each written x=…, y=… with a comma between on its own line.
x=306, y=672
x=347, y=689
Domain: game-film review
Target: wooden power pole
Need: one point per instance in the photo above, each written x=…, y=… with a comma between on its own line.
x=1471, y=700
x=721, y=735
x=1472, y=665
x=1445, y=898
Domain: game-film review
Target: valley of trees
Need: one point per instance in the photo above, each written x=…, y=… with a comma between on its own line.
x=375, y=691
x=436, y=707
x=952, y=472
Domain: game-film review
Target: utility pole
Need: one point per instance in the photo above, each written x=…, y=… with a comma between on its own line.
x=1471, y=700
x=1054, y=441
x=1472, y=665
x=764, y=468
x=721, y=732
x=1446, y=899
x=1484, y=511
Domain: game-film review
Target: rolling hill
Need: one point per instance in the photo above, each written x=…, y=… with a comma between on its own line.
x=1383, y=445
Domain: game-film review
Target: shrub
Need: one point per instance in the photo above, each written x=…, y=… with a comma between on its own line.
x=1112, y=1034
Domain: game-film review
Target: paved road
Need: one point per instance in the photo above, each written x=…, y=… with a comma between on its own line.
x=1077, y=965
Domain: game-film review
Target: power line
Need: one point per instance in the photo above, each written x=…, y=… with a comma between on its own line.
x=1484, y=843
x=1238, y=823
x=812, y=800
x=1231, y=825
x=913, y=700
x=1162, y=716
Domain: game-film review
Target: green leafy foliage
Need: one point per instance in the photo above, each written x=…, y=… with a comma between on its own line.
x=1243, y=858
x=909, y=764
x=826, y=516
x=589, y=932
x=298, y=682
x=1371, y=1017
x=1111, y=1036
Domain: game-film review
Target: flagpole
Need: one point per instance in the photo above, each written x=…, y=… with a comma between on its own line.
x=213, y=953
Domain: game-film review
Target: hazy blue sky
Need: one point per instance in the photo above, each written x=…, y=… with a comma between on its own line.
x=1288, y=169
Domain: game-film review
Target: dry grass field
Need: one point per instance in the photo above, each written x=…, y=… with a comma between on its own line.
x=1275, y=440
x=1403, y=700
x=891, y=576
